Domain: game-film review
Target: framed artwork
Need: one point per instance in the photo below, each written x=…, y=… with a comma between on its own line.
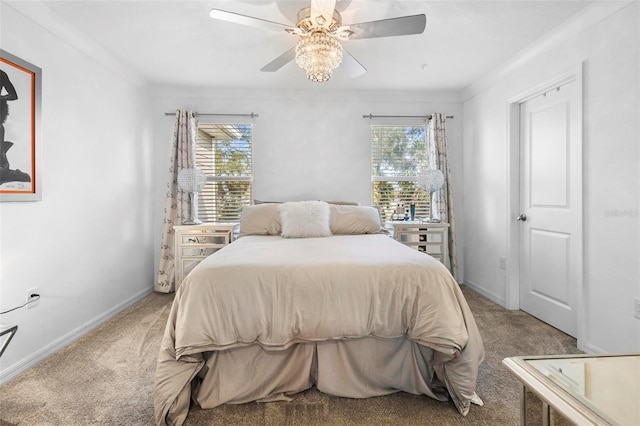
x=20, y=144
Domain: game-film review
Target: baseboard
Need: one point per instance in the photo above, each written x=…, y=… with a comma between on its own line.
x=69, y=338
x=486, y=293
x=590, y=349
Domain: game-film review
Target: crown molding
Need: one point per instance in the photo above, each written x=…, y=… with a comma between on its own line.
x=42, y=15
x=589, y=16
x=406, y=97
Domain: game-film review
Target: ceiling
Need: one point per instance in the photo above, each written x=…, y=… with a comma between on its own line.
x=176, y=43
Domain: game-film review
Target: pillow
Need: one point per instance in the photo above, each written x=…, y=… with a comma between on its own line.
x=265, y=202
x=261, y=219
x=304, y=219
x=344, y=203
x=349, y=220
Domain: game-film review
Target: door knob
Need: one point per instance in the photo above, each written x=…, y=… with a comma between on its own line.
x=522, y=217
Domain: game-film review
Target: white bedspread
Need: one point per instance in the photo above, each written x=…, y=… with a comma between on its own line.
x=276, y=292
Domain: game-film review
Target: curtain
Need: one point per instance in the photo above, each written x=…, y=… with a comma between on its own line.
x=177, y=206
x=443, y=203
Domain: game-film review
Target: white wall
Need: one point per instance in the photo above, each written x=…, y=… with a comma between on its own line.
x=611, y=159
x=312, y=144
x=88, y=244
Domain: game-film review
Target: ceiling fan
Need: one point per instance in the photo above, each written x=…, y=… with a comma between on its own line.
x=319, y=50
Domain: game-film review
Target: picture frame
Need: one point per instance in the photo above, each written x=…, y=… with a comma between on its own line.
x=20, y=132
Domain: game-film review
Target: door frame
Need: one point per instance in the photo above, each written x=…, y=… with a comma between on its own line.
x=512, y=288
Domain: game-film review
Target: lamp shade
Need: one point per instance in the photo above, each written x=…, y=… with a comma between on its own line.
x=430, y=180
x=191, y=179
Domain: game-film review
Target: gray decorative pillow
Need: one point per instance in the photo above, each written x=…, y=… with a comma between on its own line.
x=352, y=220
x=304, y=219
x=261, y=219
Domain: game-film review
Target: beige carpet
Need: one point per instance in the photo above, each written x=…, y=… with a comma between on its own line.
x=106, y=377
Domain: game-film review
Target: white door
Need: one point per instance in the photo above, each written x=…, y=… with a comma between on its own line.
x=550, y=215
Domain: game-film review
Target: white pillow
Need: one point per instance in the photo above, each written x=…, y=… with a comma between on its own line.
x=304, y=219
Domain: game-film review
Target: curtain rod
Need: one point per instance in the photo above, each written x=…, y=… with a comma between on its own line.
x=424, y=117
x=252, y=115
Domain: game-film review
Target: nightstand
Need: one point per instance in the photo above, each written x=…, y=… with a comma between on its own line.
x=430, y=238
x=193, y=243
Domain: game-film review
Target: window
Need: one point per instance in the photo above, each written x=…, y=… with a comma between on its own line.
x=398, y=153
x=224, y=153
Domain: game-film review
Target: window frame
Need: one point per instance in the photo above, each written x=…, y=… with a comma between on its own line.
x=423, y=202
x=212, y=179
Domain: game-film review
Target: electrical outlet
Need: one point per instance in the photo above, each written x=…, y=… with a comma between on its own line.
x=636, y=307
x=503, y=263
x=30, y=298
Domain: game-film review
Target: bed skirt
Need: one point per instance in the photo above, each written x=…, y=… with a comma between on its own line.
x=354, y=368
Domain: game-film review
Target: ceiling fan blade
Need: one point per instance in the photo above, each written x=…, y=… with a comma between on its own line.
x=405, y=25
x=236, y=18
x=280, y=61
x=322, y=8
x=351, y=66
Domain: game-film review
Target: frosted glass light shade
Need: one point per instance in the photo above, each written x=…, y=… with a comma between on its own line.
x=191, y=180
x=430, y=180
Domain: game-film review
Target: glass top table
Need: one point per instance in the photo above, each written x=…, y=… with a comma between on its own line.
x=585, y=389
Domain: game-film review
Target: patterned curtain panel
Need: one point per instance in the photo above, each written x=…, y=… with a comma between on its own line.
x=444, y=197
x=177, y=205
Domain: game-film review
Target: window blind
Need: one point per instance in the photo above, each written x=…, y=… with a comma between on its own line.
x=224, y=153
x=398, y=153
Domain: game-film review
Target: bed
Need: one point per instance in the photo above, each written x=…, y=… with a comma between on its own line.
x=292, y=304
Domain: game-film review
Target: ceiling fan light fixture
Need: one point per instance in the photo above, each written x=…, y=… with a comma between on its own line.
x=318, y=53
x=321, y=32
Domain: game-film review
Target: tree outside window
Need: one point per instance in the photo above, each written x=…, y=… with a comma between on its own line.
x=398, y=153
x=224, y=153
